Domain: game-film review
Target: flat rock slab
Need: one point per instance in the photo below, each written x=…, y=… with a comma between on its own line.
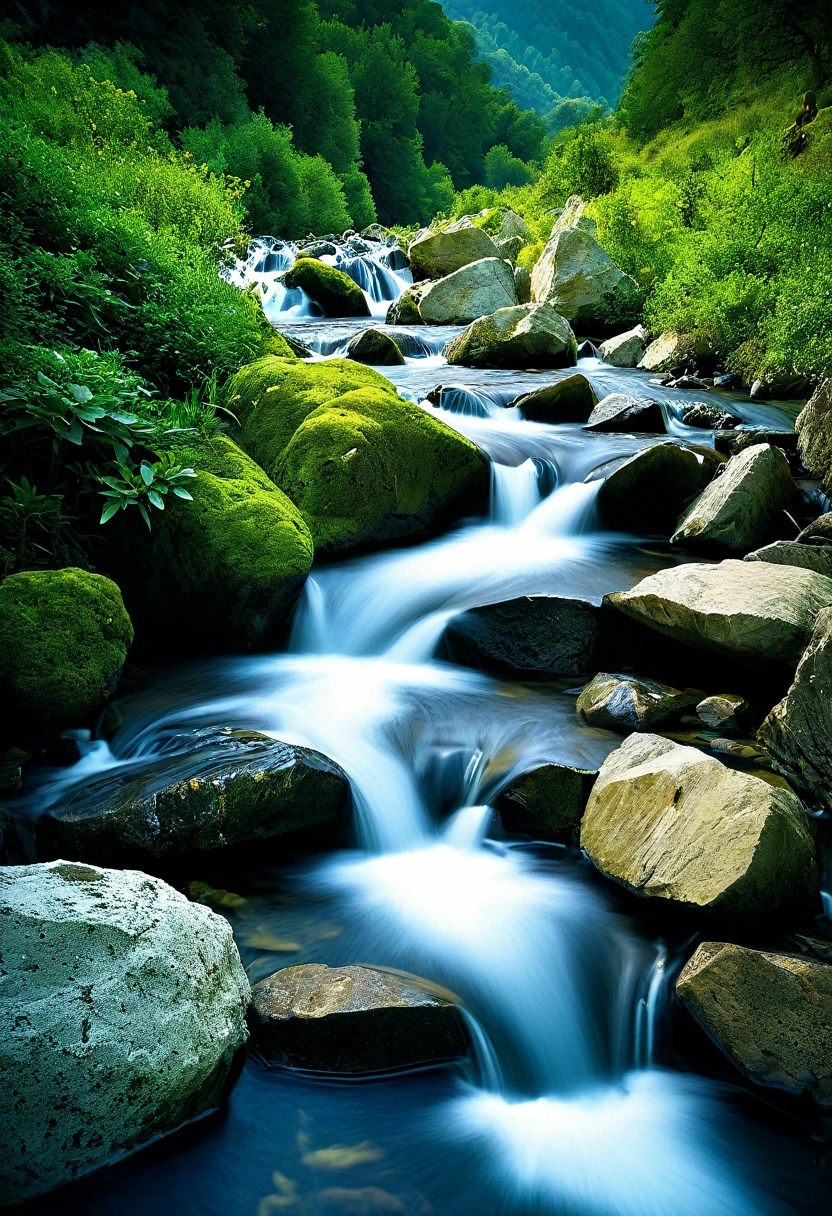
x=547, y=802
x=627, y=703
x=352, y=1020
x=533, y=634
x=795, y=553
x=770, y=1013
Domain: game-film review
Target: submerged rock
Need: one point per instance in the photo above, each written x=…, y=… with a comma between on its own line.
x=352, y=1020
x=64, y=636
x=123, y=1006
x=528, y=335
x=436, y=252
x=548, y=802
x=795, y=553
x=375, y=348
x=669, y=822
x=571, y=399
x=332, y=290
x=648, y=491
x=743, y=505
x=475, y=290
x=770, y=1013
x=618, y=412
x=627, y=703
x=533, y=634
x=625, y=350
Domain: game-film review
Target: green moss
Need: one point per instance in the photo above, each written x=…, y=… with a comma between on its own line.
x=333, y=290
x=276, y=344
x=64, y=635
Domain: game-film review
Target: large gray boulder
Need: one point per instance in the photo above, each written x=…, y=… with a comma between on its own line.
x=622, y=414
x=547, y=802
x=473, y=291
x=795, y=553
x=814, y=431
x=647, y=492
x=625, y=350
x=436, y=252
x=528, y=335
x=669, y=822
x=743, y=505
x=630, y=703
x=533, y=634
x=571, y=399
x=514, y=225
x=770, y=1013
x=751, y=611
x=672, y=350
x=123, y=1006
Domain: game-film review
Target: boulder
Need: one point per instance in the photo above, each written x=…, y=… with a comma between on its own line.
x=64, y=636
x=513, y=225
x=648, y=491
x=669, y=822
x=617, y=412
x=333, y=291
x=674, y=350
x=533, y=635
x=436, y=252
x=353, y=1020
x=722, y=710
x=221, y=788
x=510, y=248
x=781, y=385
x=473, y=291
x=318, y=249
x=571, y=399
x=405, y=310
x=628, y=703
x=528, y=335
x=741, y=507
x=818, y=532
x=548, y=802
x=522, y=285
x=708, y=417
x=751, y=611
x=770, y=1013
x=625, y=350
x=376, y=348
x=814, y=432
x=795, y=553
x=123, y=1007
x=362, y=465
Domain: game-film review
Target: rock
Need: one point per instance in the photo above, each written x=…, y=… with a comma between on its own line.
x=743, y=506
x=707, y=417
x=352, y=1020
x=787, y=440
x=222, y=788
x=510, y=248
x=571, y=399
x=473, y=291
x=669, y=822
x=514, y=225
x=405, y=310
x=362, y=465
x=648, y=491
x=728, y=382
x=672, y=350
x=687, y=381
x=625, y=350
x=123, y=1007
x=332, y=290
x=814, y=432
x=319, y=249
x=376, y=232
x=795, y=553
x=224, y=571
x=534, y=634
x=522, y=285
x=528, y=335
x=783, y=386
x=721, y=711
x=436, y=252
x=375, y=348
x=548, y=802
x=618, y=412
x=818, y=532
x=751, y=611
x=627, y=703
x=770, y=1013
x=295, y=348
x=64, y=636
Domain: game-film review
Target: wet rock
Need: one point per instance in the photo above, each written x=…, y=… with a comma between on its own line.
x=571, y=399
x=728, y=382
x=475, y=290
x=648, y=491
x=405, y=310
x=795, y=553
x=626, y=703
x=352, y=1020
x=818, y=532
x=536, y=635
x=222, y=788
x=618, y=412
x=528, y=335
x=770, y=1013
x=522, y=285
x=376, y=348
x=669, y=822
x=296, y=348
x=722, y=711
x=123, y=1006
x=319, y=249
x=548, y=802
x=436, y=252
x=707, y=417
x=787, y=440
x=625, y=350
x=751, y=611
x=814, y=431
x=672, y=350
x=743, y=506
x=333, y=291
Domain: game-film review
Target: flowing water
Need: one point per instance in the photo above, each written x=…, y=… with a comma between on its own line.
x=575, y=1100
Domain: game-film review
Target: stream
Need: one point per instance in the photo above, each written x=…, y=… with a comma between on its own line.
x=577, y=1099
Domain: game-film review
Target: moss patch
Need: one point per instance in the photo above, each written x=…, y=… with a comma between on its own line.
x=331, y=289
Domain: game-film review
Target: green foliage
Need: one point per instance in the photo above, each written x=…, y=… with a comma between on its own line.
x=143, y=486
x=502, y=169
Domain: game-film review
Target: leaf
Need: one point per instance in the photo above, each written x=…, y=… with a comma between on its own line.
x=81, y=393
x=157, y=500
x=145, y=515
x=109, y=511
x=180, y=493
x=147, y=473
x=75, y=434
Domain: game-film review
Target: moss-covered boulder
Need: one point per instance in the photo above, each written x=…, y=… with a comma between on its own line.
x=223, y=571
x=64, y=636
x=527, y=335
x=333, y=291
x=376, y=348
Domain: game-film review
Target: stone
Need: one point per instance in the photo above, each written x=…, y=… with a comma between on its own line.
x=436, y=252
x=707, y=417
x=353, y=1020
x=618, y=412
x=318, y=249
x=64, y=636
x=522, y=285
x=334, y=292
x=571, y=399
x=669, y=822
x=220, y=788
x=782, y=385
x=473, y=291
x=528, y=335
x=771, y=1014
x=375, y=348
x=671, y=350
x=533, y=634
x=123, y=1008
x=405, y=310
x=513, y=225
x=548, y=802
x=510, y=247
x=743, y=506
x=625, y=350
x=818, y=532
x=795, y=553
x=751, y=611
x=648, y=491
x=814, y=432
x=627, y=703
x=722, y=711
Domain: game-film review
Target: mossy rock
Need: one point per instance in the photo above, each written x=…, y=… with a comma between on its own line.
x=64, y=636
x=332, y=290
x=285, y=348
x=222, y=572
x=376, y=348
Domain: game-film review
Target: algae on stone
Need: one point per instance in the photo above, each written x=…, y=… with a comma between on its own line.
x=335, y=292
